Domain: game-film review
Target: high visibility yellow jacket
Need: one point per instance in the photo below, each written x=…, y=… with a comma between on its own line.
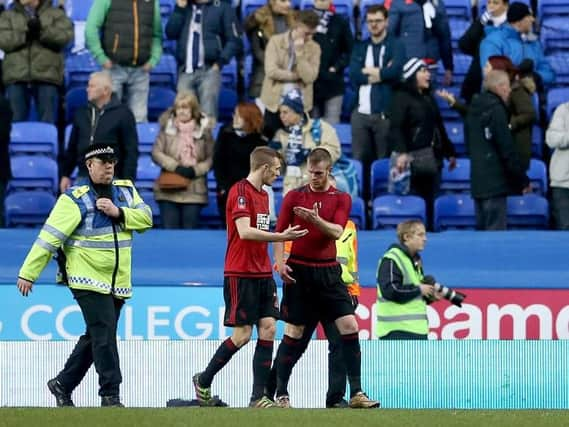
x=97, y=249
x=346, y=255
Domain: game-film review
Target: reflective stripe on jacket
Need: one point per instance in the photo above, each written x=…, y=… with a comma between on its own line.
x=97, y=250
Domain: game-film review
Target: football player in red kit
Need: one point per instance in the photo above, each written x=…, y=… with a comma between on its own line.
x=249, y=289
x=312, y=282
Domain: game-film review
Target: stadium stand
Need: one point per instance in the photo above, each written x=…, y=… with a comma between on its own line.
x=454, y=211
x=33, y=173
x=358, y=213
x=388, y=211
x=28, y=208
x=159, y=100
x=379, y=177
x=147, y=133
x=529, y=211
x=457, y=180
x=33, y=138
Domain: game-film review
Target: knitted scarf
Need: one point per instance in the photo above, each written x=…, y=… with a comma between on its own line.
x=187, y=150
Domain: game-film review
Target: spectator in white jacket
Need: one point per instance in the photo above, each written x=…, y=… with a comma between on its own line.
x=557, y=138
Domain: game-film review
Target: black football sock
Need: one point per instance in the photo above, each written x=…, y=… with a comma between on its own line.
x=287, y=356
x=223, y=355
x=353, y=359
x=261, y=367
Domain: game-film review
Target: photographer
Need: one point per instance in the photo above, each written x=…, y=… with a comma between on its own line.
x=403, y=293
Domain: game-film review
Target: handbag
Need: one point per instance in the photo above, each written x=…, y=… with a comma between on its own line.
x=172, y=181
x=424, y=162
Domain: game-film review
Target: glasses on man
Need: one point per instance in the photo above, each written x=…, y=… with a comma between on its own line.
x=107, y=161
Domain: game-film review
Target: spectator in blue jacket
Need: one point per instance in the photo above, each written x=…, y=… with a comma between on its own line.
x=517, y=41
x=423, y=28
x=375, y=66
x=208, y=37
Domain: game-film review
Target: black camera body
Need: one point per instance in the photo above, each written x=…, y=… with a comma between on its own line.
x=454, y=297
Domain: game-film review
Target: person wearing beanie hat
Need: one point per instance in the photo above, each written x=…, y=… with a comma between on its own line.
x=415, y=127
x=299, y=136
x=517, y=41
x=89, y=231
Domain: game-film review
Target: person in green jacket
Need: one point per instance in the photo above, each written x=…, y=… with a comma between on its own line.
x=125, y=37
x=402, y=294
x=90, y=229
x=33, y=36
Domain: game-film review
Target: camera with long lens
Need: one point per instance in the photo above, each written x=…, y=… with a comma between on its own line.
x=454, y=297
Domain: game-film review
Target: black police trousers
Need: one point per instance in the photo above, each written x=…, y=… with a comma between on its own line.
x=98, y=345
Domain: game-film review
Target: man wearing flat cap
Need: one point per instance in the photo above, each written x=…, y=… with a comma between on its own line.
x=517, y=41
x=89, y=231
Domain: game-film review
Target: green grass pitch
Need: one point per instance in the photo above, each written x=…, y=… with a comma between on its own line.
x=213, y=417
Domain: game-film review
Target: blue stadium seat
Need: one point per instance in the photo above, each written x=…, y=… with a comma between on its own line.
x=165, y=73
x=78, y=10
x=555, y=34
x=33, y=138
x=348, y=104
x=211, y=182
x=457, y=180
x=528, y=211
x=560, y=64
x=226, y=104
x=379, y=177
x=458, y=10
x=555, y=97
x=358, y=213
x=146, y=173
x=148, y=197
x=209, y=215
x=390, y=210
x=454, y=211
x=74, y=98
x=457, y=29
x=537, y=174
x=344, y=132
x=33, y=173
x=360, y=174
x=455, y=131
x=536, y=142
x=447, y=112
x=147, y=133
x=278, y=200
x=166, y=8
x=249, y=6
x=28, y=208
x=461, y=65
x=78, y=68
x=159, y=100
x=548, y=9
x=229, y=75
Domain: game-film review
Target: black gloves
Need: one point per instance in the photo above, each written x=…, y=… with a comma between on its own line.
x=34, y=28
x=186, y=172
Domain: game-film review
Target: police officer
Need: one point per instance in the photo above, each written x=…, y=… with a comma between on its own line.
x=90, y=229
x=402, y=294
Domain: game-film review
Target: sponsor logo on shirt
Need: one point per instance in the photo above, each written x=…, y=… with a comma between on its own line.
x=263, y=222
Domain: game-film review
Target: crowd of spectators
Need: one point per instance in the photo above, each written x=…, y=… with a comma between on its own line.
x=388, y=66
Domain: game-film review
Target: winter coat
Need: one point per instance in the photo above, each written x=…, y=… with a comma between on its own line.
x=220, y=32
x=508, y=42
x=36, y=60
x=335, y=47
x=231, y=157
x=416, y=123
x=522, y=117
x=328, y=140
x=495, y=167
x=260, y=27
x=165, y=153
x=406, y=23
x=277, y=74
x=113, y=124
x=557, y=138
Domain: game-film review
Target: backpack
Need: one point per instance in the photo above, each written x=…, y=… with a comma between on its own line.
x=344, y=170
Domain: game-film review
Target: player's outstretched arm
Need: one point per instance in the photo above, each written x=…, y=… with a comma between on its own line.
x=246, y=232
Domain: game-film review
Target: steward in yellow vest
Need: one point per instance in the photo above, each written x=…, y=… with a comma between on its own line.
x=90, y=229
x=402, y=298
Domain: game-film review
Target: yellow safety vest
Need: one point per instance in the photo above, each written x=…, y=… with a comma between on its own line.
x=407, y=317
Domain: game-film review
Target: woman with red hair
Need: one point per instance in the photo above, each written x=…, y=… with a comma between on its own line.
x=235, y=143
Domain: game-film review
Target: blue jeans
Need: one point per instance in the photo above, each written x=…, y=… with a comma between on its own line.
x=179, y=215
x=44, y=94
x=137, y=82
x=206, y=84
